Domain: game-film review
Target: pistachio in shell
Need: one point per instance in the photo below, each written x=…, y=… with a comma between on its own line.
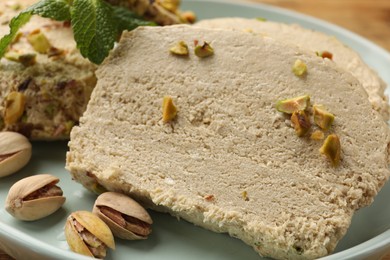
x=15, y=152
x=34, y=197
x=88, y=235
x=126, y=218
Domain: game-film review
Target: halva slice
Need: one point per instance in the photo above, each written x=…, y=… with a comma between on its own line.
x=230, y=161
x=45, y=83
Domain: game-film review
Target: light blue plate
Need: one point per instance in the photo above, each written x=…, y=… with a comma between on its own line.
x=367, y=238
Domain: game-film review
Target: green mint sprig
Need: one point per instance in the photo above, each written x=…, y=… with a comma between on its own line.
x=95, y=23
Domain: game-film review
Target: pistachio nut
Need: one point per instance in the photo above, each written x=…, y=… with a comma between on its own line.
x=126, y=218
x=203, y=51
x=291, y=105
x=331, y=148
x=170, y=5
x=180, y=48
x=88, y=235
x=15, y=152
x=14, y=107
x=261, y=19
x=317, y=135
x=322, y=117
x=169, y=109
x=39, y=41
x=27, y=59
x=188, y=17
x=301, y=122
x=34, y=197
x=299, y=68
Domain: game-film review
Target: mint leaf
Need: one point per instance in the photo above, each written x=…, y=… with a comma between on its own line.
x=55, y=9
x=127, y=20
x=15, y=24
x=94, y=28
x=58, y=10
x=96, y=24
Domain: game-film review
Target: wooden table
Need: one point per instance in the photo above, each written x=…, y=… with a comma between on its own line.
x=370, y=19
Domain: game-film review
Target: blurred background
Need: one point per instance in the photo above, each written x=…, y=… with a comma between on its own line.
x=368, y=18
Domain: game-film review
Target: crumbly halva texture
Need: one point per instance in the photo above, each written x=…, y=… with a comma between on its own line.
x=316, y=42
x=228, y=139
x=55, y=84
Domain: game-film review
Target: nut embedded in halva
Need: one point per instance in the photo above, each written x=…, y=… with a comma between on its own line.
x=34, y=197
x=126, y=218
x=88, y=235
x=15, y=152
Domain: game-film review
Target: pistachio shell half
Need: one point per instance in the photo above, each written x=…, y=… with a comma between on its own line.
x=34, y=197
x=87, y=234
x=15, y=152
x=126, y=218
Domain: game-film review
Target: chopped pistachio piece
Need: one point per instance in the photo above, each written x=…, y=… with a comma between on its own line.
x=97, y=188
x=332, y=149
x=68, y=126
x=322, y=118
x=245, y=195
x=261, y=19
x=301, y=122
x=188, y=17
x=170, y=5
x=39, y=41
x=54, y=52
x=248, y=30
x=291, y=105
x=204, y=51
x=169, y=109
x=51, y=110
x=181, y=49
x=317, y=135
x=12, y=56
x=27, y=59
x=299, y=68
x=325, y=54
x=14, y=108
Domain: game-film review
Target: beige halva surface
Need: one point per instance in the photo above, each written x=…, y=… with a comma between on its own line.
x=228, y=139
x=314, y=41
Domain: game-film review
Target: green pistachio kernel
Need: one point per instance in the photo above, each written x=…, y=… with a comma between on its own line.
x=299, y=68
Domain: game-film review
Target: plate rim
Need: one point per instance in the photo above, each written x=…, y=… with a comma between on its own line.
x=380, y=243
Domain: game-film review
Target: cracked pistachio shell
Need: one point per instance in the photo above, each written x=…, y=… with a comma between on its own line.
x=34, y=209
x=15, y=152
x=125, y=205
x=94, y=225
